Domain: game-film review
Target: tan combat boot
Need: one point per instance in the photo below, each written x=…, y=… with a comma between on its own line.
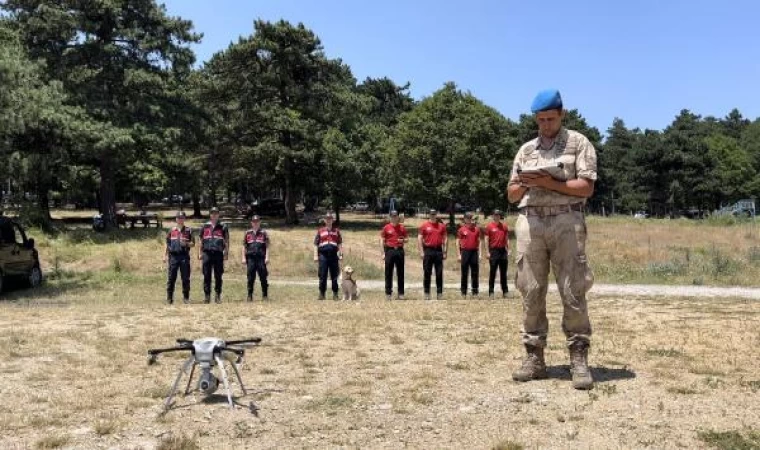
x=533, y=366
x=579, y=366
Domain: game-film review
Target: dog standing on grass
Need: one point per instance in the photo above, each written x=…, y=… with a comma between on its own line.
x=349, y=286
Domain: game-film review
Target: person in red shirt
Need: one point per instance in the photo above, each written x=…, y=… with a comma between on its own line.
x=469, y=241
x=432, y=243
x=392, y=239
x=328, y=252
x=497, y=239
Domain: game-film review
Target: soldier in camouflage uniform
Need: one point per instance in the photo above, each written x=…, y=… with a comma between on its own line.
x=551, y=231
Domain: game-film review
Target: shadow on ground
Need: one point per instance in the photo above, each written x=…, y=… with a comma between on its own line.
x=600, y=374
x=19, y=294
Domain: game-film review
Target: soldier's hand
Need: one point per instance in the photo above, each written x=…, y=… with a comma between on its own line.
x=266, y=260
x=164, y=259
x=243, y=261
x=541, y=179
x=382, y=256
x=445, y=255
x=316, y=258
x=459, y=257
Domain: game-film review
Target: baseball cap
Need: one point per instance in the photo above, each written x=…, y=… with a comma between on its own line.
x=434, y=211
x=329, y=215
x=497, y=212
x=393, y=213
x=214, y=210
x=181, y=215
x=255, y=218
x=468, y=215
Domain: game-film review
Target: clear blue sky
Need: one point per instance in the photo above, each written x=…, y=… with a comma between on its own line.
x=642, y=60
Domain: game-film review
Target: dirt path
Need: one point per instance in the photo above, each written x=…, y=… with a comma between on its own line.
x=642, y=290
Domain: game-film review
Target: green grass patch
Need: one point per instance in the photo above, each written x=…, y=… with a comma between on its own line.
x=666, y=353
x=731, y=440
x=507, y=445
x=52, y=441
x=178, y=443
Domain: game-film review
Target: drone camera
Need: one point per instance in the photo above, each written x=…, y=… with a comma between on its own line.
x=208, y=383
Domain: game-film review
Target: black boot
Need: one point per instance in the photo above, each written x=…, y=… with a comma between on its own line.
x=250, y=297
x=169, y=299
x=218, y=298
x=207, y=298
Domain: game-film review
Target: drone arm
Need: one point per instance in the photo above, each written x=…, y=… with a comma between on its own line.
x=158, y=351
x=256, y=340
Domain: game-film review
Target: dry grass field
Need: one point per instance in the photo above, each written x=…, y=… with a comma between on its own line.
x=671, y=372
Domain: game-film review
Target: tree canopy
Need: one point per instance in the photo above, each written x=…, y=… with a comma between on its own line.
x=103, y=102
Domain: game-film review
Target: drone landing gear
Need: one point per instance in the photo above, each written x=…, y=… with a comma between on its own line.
x=190, y=364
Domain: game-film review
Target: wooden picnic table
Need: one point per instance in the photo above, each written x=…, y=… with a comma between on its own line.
x=146, y=218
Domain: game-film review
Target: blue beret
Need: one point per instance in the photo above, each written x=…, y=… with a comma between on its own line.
x=546, y=100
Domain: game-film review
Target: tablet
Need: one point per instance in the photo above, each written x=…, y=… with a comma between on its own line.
x=539, y=169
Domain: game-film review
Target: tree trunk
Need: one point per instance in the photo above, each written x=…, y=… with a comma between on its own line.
x=212, y=195
x=43, y=201
x=291, y=218
x=452, y=221
x=107, y=192
x=196, y=205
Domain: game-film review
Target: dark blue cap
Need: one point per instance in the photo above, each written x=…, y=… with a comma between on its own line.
x=546, y=100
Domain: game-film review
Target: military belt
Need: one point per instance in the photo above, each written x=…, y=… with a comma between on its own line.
x=547, y=211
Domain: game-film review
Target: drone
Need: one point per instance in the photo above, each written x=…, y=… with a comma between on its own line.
x=206, y=353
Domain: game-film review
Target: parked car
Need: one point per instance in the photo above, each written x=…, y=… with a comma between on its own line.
x=360, y=206
x=267, y=207
x=19, y=259
x=641, y=215
x=176, y=199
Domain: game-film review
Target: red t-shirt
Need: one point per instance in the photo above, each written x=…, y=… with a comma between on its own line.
x=392, y=235
x=469, y=237
x=432, y=234
x=497, y=234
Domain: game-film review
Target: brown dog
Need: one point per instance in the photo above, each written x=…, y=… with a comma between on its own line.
x=349, y=286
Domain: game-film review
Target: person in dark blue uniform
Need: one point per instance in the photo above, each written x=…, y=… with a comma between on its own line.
x=328, y=251
x=215, y=239
x=256, y=247
x=179, y=240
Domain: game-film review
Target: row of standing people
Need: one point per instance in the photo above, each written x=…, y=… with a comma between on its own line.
x=432, y=244
x=213, y=252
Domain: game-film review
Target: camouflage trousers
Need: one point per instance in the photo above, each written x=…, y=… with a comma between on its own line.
x=560, y=242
